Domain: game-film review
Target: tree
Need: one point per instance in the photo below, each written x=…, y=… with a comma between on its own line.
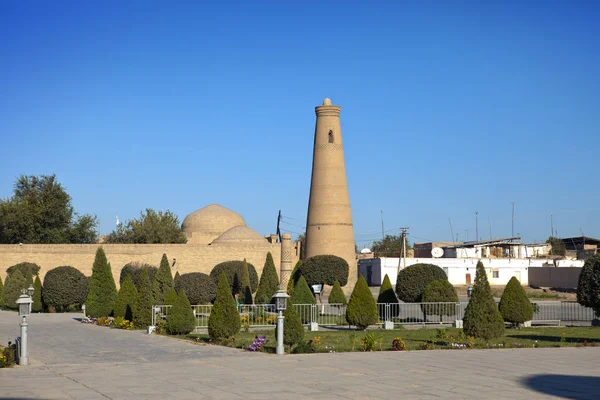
x=26, y=268
x=293, y=330
x=200, y=288
x=40, y=211
x=269, y=282
x=126, y=300
x=584, y=288
x=12, y=289
x=302, y=239
x=151, y=228
x=515, y=306
x=387, y=296
x=163, y=281
x=234, y=271
x=390, y=246
x=224, y=320
x=171, y=297
x=294, y=278
x=245, y=296
x=63, y=287
x=362, y=309
x=482, y=318
x=303, y=295
x=176, y=278
x=412, y=281
x=37, y=305
x=337, y=296
x=594, y=290
x=181, y=319
x=557, y=246
x=142, y=314
x=1, y=294
x=103, y=291
x=439, y=291
x=325, y=269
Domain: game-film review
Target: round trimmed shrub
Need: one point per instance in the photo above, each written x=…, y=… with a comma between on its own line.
x=362, y=309
x=234, y=272
x=337, y=295
x=515, y=306
x=26, y=268
x=64, y=286
x=181, y=319
x=325, y=269
x=200, y=288
x=412, y=281
x=134, y=269
x=440, y=291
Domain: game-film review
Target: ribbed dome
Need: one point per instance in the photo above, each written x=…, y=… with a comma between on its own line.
x=210, y=222
x=240, y=234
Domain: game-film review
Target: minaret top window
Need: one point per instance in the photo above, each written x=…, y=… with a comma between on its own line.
x=331, y=138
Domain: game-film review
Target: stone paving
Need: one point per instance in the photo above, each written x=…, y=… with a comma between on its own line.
x=70, y=360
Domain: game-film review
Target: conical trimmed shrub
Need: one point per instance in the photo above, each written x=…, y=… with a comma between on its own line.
x=584, y=288
x=171, y=297
x=181, y=319
x=245, y=296
x=302, y=293
x=37, y=305
x=224, y=320
x=482, y=318
x=163, y=281
x=103, y=291
x=387, y=296
x=293, y=330
x=12, y=290
x=1, y=293
x=142, y=313
x=515, y=306
x=176, y=278
x=294, y=278
x=269, y=282
x=337, y=296
x=126, y=299
x=362, y=309
x=28, y=280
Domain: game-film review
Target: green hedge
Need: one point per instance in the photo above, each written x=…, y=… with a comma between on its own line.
x=325, y=269
x=412, y=281
x=200, y=288
x=64, y=286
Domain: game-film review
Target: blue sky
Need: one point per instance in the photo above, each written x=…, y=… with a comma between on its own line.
x=448, y=108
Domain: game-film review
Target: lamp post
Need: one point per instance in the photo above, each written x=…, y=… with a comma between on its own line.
x=280, y=305
x=30, y=291
x=24, y=301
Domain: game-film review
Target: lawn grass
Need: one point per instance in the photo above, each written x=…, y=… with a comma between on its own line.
x=421, y=339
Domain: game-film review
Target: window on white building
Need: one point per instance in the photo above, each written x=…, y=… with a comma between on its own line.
x=495, y=274
x=446, y=270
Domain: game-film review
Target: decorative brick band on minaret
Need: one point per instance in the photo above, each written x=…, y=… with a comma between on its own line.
x=286, y=261
x=329, y=228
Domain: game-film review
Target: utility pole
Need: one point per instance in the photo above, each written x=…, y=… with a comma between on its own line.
x=551, y=227
x=512, y=234
x=451, y=231
x=490, y=222
x=382, y=236
x=476, y=227
x=404, y=244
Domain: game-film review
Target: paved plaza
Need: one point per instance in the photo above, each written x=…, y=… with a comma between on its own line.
x=70, y=360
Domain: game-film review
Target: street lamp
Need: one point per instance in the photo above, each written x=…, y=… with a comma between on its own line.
x=280, y=305
x=30, y=291
x=24, y=301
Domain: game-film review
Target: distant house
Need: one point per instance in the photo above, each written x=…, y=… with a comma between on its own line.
x=581, y=247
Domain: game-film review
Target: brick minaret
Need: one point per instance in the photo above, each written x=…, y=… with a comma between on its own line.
x=329, y=227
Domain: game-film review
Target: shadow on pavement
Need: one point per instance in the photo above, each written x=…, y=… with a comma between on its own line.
x=566, y=386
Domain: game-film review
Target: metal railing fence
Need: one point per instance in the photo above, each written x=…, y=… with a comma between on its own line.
x=265, y=315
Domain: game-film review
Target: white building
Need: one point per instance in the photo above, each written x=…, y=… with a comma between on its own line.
x=460, y=271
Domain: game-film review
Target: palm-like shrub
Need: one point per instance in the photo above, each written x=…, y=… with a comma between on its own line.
x=362, y=309
x=181, y=319
x=103, y=291
x=325, y=269
x=440, y=291
x=234, y=272
x=126, y=300
x=412, y=281
x=163, y=280
x=337, y=296
x=200, y=288
x=269, y=282
x=482, y=318
x=224, y=320
x=12, y=290
x=387, y=296
x=63, y=287
x=142, y=314
x=37, y=305
x=515, y=306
